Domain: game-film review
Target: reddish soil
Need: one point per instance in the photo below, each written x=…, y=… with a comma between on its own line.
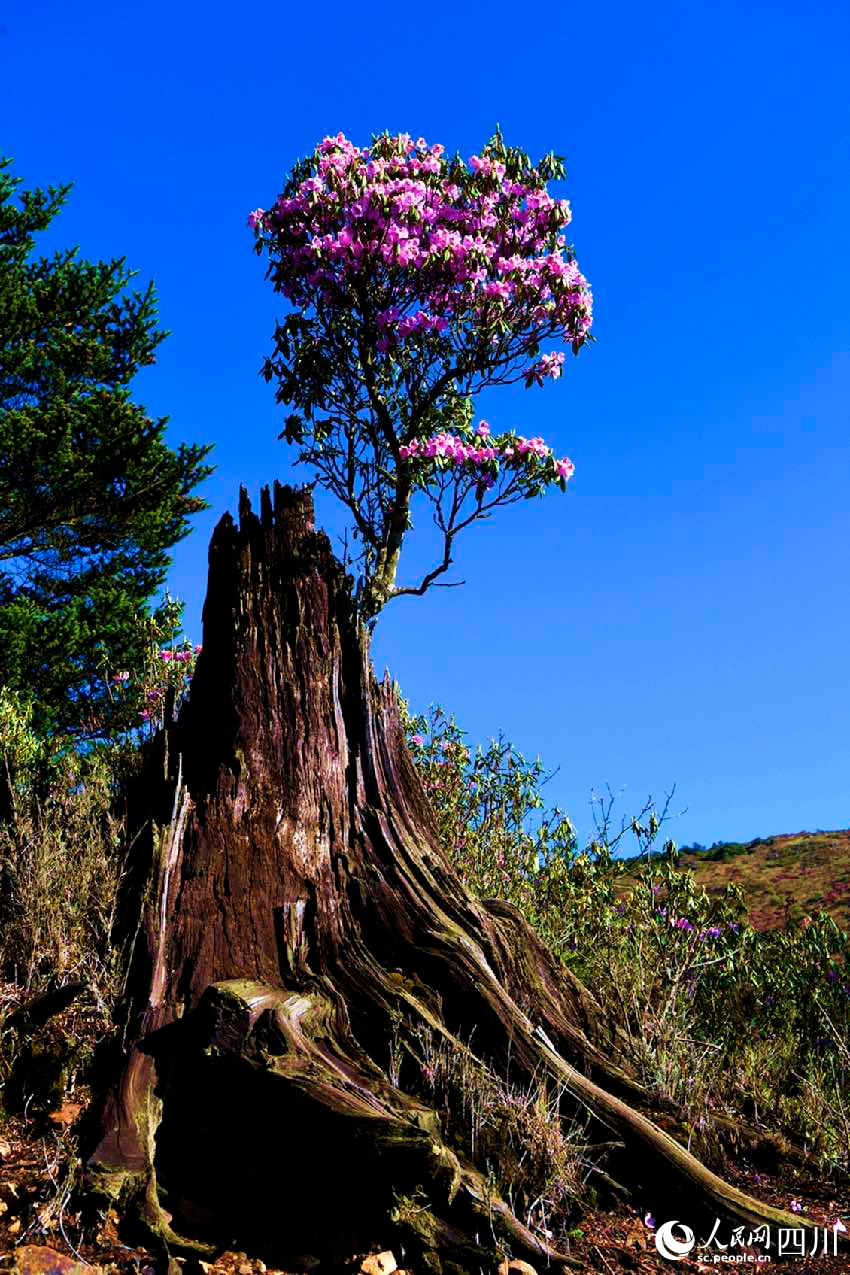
x=35, y=1210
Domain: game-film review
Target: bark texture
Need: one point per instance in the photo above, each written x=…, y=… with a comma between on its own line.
x=291, y=919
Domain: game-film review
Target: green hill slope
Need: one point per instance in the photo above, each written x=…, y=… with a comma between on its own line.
x=792, y=874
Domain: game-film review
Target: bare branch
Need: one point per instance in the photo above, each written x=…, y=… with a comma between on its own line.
x=427, y=583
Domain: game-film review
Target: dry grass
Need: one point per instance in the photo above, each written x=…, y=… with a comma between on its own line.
x=536, y=1158
x=59, y=873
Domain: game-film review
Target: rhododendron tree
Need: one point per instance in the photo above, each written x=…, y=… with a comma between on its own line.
x=290, y=907
x=415, y=281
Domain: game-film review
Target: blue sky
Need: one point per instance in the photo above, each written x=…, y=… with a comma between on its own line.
x=681, y=615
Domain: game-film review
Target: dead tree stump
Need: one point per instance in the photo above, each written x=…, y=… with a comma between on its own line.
x=289, y=913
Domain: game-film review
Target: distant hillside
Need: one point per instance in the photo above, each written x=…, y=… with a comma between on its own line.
x=805, y=871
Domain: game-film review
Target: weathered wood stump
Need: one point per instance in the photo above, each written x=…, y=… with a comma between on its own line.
x=288, y=911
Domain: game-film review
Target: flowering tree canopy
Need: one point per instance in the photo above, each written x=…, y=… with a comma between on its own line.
x=416, y=281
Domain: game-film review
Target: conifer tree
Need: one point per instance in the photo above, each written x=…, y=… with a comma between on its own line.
x=92, y=497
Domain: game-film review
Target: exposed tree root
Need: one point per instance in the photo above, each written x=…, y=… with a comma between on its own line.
x=290, y=911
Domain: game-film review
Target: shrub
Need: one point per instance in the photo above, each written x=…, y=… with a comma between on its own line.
x=720, y=1018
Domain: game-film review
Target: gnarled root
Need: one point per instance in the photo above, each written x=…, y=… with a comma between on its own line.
x=289, y=907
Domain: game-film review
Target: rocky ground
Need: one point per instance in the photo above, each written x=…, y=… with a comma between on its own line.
x=41, y=1234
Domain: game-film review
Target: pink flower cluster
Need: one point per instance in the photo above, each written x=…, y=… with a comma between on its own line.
x=509, y=448
x=399, y=325
x=531, y=447
x=179, y=657
x=486, y=167
x=547, y=365
x=449, y=446
x=464, y=247
x=155, y=695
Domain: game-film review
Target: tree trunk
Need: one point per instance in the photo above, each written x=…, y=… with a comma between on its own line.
x=296, y=932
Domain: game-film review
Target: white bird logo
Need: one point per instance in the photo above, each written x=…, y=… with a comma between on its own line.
x=670, y=1247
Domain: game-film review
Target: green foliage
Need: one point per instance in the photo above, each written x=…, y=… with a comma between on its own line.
x=719, y=1017
x=20, y=746
x=721, y=854
x=91, y=496
x=142, y=695
x=490, y=810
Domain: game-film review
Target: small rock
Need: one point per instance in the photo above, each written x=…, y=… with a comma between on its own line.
x=5, y=1149
x=246, y=1269
x=379, y=1264
x=516, y=1267
x=37, y=1259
